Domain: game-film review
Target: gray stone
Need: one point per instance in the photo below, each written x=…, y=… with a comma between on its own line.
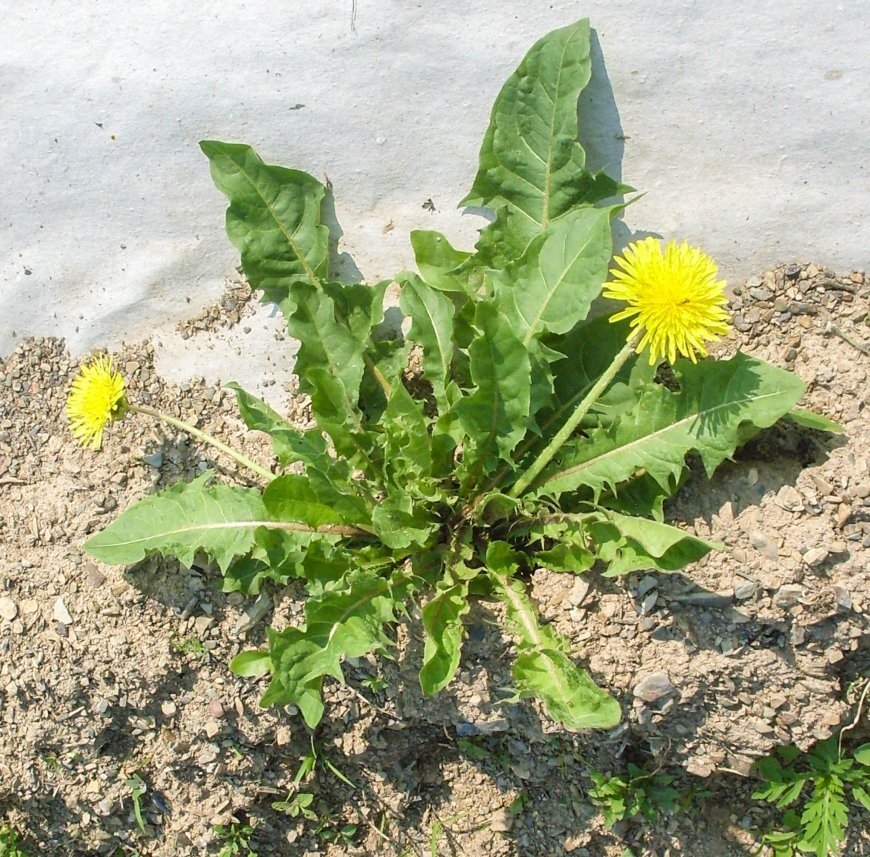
x=653, y=686
x=765, y=545
x=842, y=598
x=578, y=592
x=202, y=624
x=815, y=557
x=745, y=589
x=154, y=459
x=788, y=595
x=647, y=583
x=254, y=614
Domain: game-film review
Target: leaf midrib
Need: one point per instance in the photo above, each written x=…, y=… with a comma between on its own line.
x=295, y=247
x=292, y=526
x=552, y=292
x=627, y=446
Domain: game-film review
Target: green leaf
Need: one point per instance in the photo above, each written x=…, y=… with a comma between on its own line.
x=348, y=619
x=719, y=405
x=825, y=817
x=629, y=543
x=442, y=621
x=399, y=525
x=812, y=420
x=495, y=414
x=431, y=315
x=551, y=288
x=437, y=261
x=862, y=755
x=329, y=365
x=407, y=446
x=313, y=501
x=219, y=519
x=542, y=668
x=274, y=219
x=288, y=442
x=251, y=663
x=860, y=795
x=276, y=555
x=588, y=350
x=530, y=161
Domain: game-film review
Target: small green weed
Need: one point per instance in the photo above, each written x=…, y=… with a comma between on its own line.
x=330, y=829
x=638, y=793
x=299, y=803
x=236, y=837
x=189, y=646
x=9, y=842
x=375, y=683
x=820, y=827
x=137, y=788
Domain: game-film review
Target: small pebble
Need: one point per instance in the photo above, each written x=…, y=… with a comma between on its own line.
x=8, y=608
x=501, y=822
x=788, y=596
x=154, y=459
x=815, y=557
x=95, y=578
x=60, y=613
x=647, y=583
x=653, y=686
x=765, y=545
x=579, y=591
x=746, y=589
x=215, y=709
x=842, y=598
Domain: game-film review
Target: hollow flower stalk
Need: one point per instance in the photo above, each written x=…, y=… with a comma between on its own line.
x=98, y=397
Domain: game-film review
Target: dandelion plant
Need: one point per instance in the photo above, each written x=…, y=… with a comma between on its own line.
x=533, y=434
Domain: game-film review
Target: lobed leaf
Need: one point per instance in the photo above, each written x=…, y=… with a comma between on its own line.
x=494, y=416
x=219, y=519
x=532, y=167
x=431, y=315
x=542, y=668
x=330, y=367
x=719, y=405
x=825, y=817
x=314, y=501
x=407, y=446
x=288, y=442
x=347, y=619
x=442, y=622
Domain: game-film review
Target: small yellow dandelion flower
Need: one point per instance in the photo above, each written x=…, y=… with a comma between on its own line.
x=673, y=297
x=96, y=398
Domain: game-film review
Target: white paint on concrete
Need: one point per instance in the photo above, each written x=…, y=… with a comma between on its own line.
x=745, y=124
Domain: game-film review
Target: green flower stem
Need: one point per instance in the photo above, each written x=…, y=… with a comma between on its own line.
x=574, y=420
x=227, y=450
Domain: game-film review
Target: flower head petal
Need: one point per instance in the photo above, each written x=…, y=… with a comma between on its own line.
x=97, y=397
x=673, y=297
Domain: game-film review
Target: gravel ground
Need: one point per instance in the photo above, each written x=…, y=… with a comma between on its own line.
x=107, y=673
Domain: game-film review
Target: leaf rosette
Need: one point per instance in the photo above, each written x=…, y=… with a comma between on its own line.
x=451, y=481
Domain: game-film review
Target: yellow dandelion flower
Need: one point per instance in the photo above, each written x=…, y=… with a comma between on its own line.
x=673, y=297
x=96, y=398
